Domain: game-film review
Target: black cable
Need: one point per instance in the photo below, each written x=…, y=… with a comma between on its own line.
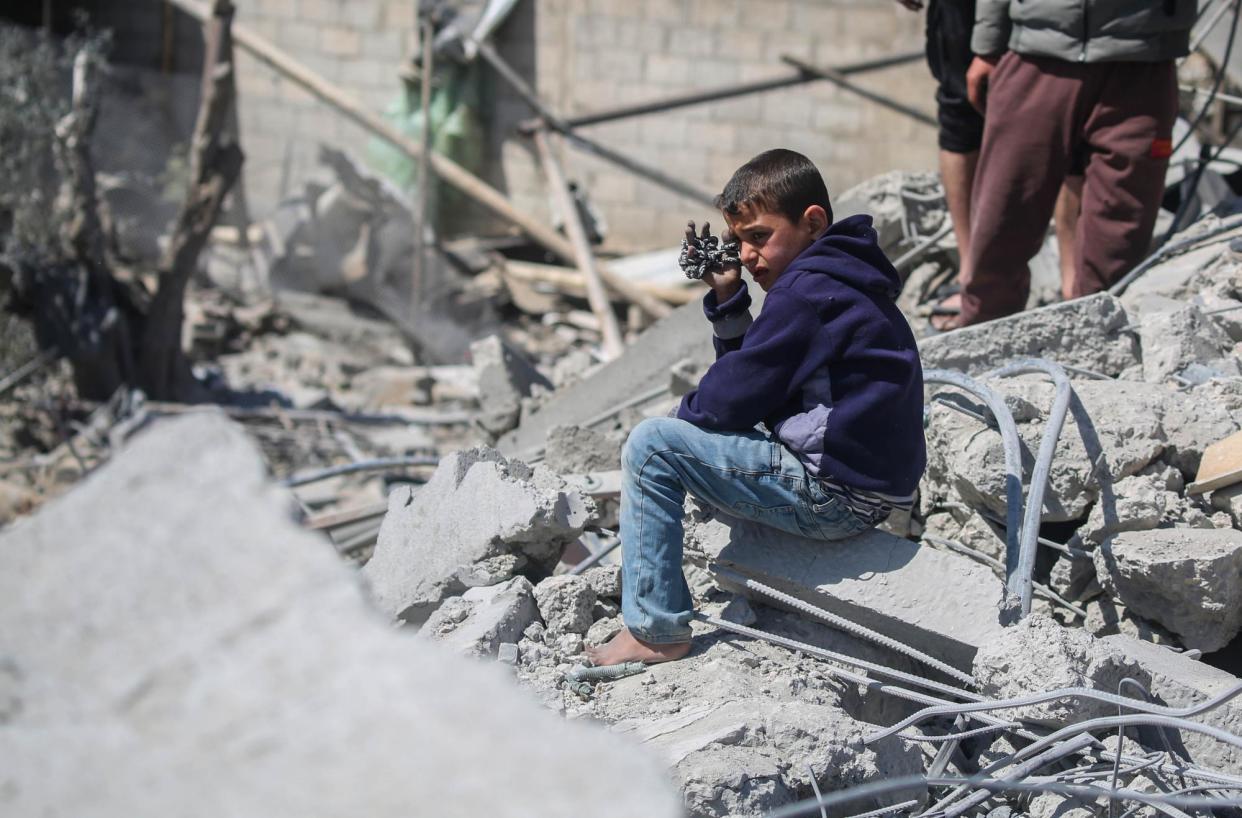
x=1216, y=82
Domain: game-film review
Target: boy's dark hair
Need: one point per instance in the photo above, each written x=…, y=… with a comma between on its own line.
x=776, y=181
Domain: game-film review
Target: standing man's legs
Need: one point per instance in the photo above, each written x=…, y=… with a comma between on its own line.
x=1031, y=126
x=1129, y=132
x=949, y=24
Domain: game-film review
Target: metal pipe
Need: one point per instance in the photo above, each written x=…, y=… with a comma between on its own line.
x=734, y=91
x=923, y=246
x=836, y=78
x=377, y=464
x=1020, y=582
x=833, y=656
x=840, y=622
x=594, y=559
x=1013, y=454
x=1137, y=705
x=1022, y=771
x=424, y=163
x=553, y=121
x=1169, y=249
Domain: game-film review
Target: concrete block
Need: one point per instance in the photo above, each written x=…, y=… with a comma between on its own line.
x=176, y=644
x=1081, y=333
x=1197, y=418
x=1115, y=432
x=605, y=580
x=941, y=602
x=1178, y=681
x=565, y=603
x=477, y=505
x=1184, y=578
x=1037, y=654
x=505, y=377
x=479, y=621
x=580, y=450
x=1174, y=334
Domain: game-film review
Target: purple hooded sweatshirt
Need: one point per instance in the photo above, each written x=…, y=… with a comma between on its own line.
x=830, y=366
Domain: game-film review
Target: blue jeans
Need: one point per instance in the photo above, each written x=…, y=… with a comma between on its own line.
x=746, y=474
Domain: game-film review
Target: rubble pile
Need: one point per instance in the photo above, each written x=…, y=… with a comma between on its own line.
x=467, y=492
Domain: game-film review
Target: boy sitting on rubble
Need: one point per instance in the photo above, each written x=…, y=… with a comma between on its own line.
x=829, y=367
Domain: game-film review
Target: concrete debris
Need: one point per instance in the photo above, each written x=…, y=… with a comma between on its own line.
x=1037, y=654
x=505, y=378
x=739, y=612
x=219, y=638
x=1135, y=503
x=1082, y=333
x=1049, y=805
x=1174, y=335
x=602, y=630
x=1185, y=579
x=902, y=205
x=1229, y=500
x=605, y=580
x=1116, y=432
x=566, y=603
x=476, y=506
x=479, y=621
x=1106, y=617
x=875, y=579
x=1180, y=681
x=581, y=450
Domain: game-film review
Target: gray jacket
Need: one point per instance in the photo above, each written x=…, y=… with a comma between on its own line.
x=1085, y=30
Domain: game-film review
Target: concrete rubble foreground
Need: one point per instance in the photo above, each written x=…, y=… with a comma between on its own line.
x=231, y=664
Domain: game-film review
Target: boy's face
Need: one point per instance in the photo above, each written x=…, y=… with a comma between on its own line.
x=770, y=241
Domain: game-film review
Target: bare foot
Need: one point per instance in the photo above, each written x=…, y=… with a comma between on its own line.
x=945, y=313
x=626, y=647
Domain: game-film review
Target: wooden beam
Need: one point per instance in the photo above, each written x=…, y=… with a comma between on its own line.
x=445, y=168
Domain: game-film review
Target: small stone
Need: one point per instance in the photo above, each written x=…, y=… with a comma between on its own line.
x=534, y=631
x=739, y=612
x=1037, y=654
x=507, y=653
x=569, y=644
x=605, y=580
x=603, y=630
x=565, y=603
x=605, y=610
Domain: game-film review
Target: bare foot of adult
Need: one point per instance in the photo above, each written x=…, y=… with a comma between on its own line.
x=626, y=647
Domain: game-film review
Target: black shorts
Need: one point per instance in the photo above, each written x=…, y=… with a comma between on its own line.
x=949, y=25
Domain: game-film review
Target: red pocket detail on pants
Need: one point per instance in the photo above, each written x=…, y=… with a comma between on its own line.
x=1161, y=148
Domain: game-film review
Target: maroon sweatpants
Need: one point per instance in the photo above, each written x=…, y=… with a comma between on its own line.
x=1039, y=112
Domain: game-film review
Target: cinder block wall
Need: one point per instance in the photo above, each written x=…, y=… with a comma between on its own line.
x=585, y=55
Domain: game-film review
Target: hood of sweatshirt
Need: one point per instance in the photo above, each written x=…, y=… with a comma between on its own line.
x=850, y=252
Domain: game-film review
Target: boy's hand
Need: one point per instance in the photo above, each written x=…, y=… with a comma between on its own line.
x=716, y=263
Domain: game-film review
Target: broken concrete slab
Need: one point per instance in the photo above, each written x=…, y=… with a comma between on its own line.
x=477, y=505
x=177, y=644
x=566, y=603
x=1038, y=654
x=1197, y=418
x=1184, y=578
x=480, y=620
x=1174, y=334
x=1082, y=333
x=943, y=603
x=580, y=450
x=1114, y=430
x=1180, y=681
x=1138, y=503
x=505, y=378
